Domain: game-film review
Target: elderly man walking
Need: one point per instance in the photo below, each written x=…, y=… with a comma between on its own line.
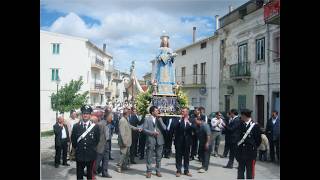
x=124, y=141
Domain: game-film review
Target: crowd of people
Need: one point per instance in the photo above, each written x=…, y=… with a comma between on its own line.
x=87, y=140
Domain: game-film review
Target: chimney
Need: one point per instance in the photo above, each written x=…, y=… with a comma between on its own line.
x=217, y=21
x=194, y=35
x=104, y=47
x=230, y=8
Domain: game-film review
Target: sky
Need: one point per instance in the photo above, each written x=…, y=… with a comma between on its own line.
x=131, y=29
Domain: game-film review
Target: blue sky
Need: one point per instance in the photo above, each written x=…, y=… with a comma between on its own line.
x=132, y=28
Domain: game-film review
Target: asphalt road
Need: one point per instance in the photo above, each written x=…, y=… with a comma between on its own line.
x=264, y=170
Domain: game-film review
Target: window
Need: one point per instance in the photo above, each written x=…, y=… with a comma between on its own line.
x=195, y=72
x=55, y=48
x=194, y=102
x=276, y=51
x=203, y=73
x=184, y=52
x=241, y=102
x=260, y=50
x=54, y=74
x=227, y=103
x=203, y=102
x=183, y=74
x=243, y=53
x=203, y=45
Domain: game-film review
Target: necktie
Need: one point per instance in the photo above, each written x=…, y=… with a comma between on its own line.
x=85, y=126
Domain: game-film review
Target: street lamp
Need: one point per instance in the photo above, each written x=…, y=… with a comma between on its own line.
x=57, y=82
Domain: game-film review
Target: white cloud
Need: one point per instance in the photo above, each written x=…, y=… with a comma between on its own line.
x=132, y=29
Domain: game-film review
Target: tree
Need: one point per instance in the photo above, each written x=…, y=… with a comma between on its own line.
x=68, y=97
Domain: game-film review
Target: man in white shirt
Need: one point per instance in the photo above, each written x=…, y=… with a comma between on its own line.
x=70, y=122
x=61, y=141
x=217, y=125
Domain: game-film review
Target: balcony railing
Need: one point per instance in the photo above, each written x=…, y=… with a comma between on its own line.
x=272, y=12
x=240, y=70
x=192, y=80
x=97, y=87
x=98, y=63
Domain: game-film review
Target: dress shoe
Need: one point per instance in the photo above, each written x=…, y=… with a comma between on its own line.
x=110, y=158
x=228, y=166
x=133, y=162
x=65, y=164
x=119, y=170
x=148, y=175
x=107, y=175
x=188, y=174
x=56, y=165
x=178, y=174
x=191, y=158
x=158, y=174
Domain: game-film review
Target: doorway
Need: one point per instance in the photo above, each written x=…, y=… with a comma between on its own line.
x=260, y=109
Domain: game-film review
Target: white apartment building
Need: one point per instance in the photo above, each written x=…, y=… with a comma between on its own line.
x=197, y=68
x=250, y=60
x=67, y=57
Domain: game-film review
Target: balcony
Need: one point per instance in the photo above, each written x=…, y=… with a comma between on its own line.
x=117, y=92
x=109, y=68
x=97, y=64
x=240, y=71
x=116, y=76
x=272, y=12
x=108, y=88
x=97, y=88
x=192, y=81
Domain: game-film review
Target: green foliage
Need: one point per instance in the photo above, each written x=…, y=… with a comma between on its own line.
x=143, y=101
x=47, y=133
x=182, y=99
x=68, y=97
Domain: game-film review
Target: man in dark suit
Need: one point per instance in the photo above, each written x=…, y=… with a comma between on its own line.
x=62, y=139
x=142, y=140
x=247, y=145
x=273, y=134
x=85, y=138
x=232, y=133
x=183, y=141
x=227, y=137
x=103, y=145
x=134, y=121
x=195, y=140
x=169, y=122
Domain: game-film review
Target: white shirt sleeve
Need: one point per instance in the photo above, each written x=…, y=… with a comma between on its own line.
x=170, y=120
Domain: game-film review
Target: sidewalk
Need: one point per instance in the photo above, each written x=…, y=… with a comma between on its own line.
x=264, y=170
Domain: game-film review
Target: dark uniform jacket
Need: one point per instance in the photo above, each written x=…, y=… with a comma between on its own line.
x=232, y=130
x=248, y=149
x=58, y=134
x=134, y=121
x=86, y=148
x=182, y=134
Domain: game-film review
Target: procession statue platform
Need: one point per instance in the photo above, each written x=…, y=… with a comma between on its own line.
x=164, y=92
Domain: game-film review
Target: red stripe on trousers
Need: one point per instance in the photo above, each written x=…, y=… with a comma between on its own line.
x=253, y=163
x=92, y=169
